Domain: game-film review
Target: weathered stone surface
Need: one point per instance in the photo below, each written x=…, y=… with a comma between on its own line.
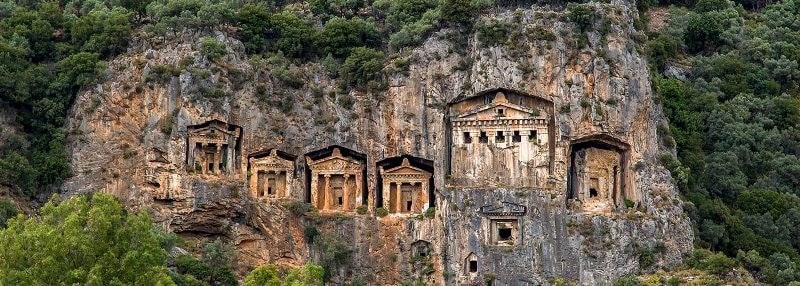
x=602, y=88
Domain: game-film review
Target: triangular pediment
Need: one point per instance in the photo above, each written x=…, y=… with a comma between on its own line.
x=406, y=170
x=336, y=161
x=211, y=130
x=511, y=110
x=271, y=160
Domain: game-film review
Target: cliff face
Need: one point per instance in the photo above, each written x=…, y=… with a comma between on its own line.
x=129, y=136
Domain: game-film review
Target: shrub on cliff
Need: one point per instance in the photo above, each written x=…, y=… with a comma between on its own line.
x=339, y=36
x=361, y=67
x=212, y=48
x=83, y=240
x=583, y=15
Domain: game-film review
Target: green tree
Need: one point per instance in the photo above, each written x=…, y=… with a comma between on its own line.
x=217, y=256
x=458, y=12
x=309, y=274
x=7, y=211
x=212, y=48
x=254, y=19
x=82, y=240
x=340, y=35
x=291, y=35
x=265, y=275
x=103, y=31
x=362, y=66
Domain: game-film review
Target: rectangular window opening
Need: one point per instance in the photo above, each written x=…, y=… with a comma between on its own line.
x=483, y=138
x=504, y=233
x=467, y=138
x=473, y=266
x=516, y=137
x=500, y=137
x=532, y=136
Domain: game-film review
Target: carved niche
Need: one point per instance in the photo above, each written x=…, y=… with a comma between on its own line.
x=501, y=137
x=213, y=147
x=271, y=174
x=407, y=187
x=599, y=177
x=504, y=223
x=336, y=181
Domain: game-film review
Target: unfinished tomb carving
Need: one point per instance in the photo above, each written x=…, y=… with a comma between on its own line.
x=598, y=176
x=405, y=184
x=336, y=179
x=213, y=147
x=501, y=137
x=271, y=174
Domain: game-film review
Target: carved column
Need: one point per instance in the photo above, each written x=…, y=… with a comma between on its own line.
x=345, y=193
x=328, y=195
x=399, y=203
x=218, y=159
x=314, y=191
x=386, y=194
x=229, y=163
x=203, y=164
x=359, y=188
x=253, y=185
x=190, y=155
x=423, y=194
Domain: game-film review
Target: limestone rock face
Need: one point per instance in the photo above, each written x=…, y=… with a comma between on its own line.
x=128, y=136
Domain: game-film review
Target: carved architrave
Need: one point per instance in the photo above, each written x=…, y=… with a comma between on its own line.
x=504, y=209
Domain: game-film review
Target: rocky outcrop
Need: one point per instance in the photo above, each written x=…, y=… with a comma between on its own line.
x=127, y=136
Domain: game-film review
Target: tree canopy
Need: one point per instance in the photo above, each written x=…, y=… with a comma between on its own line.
x=82, y=240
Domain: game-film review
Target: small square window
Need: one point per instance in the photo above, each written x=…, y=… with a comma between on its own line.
x=500, y=138
x=501, y=112
x=516, y=137
x=473, y=266
x=532, y=136
x=483, y=138
x=467, y=138
x=505, y=232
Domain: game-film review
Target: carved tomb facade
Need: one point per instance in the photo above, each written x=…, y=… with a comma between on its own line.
x=271, y=174
x=213, y=148
x=336, y=181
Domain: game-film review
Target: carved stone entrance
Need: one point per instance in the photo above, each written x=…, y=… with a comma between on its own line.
x=336, y=181
x=271, y=174
x=213, y=148
x=501, y=137
x=405, y=188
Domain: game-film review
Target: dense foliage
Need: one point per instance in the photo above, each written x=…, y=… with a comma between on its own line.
x=83, y=240
x=309, y=274
x=47, y=53
x=213, y=269
x=734, y=119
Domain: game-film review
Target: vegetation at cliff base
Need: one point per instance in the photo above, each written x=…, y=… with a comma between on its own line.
x=270, y=275
x=82, y=240
x=729, y=82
